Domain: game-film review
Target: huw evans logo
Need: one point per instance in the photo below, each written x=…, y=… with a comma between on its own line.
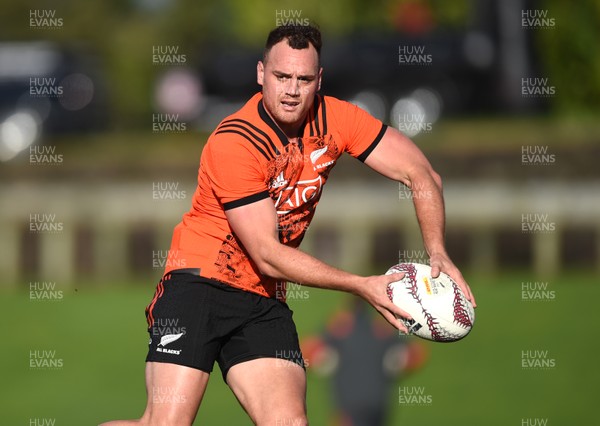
x=534, y=87
x=536, y=292
x=413, y=256
x=287, y=358
x=167, y=123
x=534, y=421
x=44, y=19
x=44, y=223
x=290, y=17
x=171, y=259
x=167, y=395
x=44, y=360
x=537, y=360
x=413, y=124
x=414, y=55
x=45, y=87
x=44, y=291
x=44, y=155
x=533, y=155
x=291, y=291
x=289, y=422
x=413, y=396
x=291, y=228
x=167, y=327
x=536, y=19
x=418, y=191
x=36, y=421
x=167, y=191
x=535, y=223
x=167, y=55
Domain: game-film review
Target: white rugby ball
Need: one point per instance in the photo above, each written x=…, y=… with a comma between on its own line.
x=438, y=306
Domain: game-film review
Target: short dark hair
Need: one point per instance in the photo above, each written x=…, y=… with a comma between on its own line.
x=298, y=37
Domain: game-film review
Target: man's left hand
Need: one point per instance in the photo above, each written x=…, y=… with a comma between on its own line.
x=442, y=263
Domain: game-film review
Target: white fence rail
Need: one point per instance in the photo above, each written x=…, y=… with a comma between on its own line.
x=54, y=212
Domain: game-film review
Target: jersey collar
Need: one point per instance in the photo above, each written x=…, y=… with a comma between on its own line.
x=264, y=115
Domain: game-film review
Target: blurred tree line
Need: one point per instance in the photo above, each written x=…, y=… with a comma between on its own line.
x=570, y=55
x=122, y=34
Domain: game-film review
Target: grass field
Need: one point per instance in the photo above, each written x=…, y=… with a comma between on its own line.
x=99, y=336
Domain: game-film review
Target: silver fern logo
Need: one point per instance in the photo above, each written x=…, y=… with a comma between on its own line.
x=315, y=155
x=167, y=339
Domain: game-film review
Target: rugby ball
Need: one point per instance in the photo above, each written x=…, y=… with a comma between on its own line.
x=439, y=309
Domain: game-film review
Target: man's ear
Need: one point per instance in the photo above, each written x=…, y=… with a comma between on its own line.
x=320, y=76
x=260, y=73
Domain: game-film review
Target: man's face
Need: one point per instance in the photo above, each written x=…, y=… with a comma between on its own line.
x=290, y=78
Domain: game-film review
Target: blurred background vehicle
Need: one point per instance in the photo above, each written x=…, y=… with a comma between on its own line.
x=47, y=89
x=419, y=66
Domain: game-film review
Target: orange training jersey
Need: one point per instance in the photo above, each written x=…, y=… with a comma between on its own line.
x=248, y=158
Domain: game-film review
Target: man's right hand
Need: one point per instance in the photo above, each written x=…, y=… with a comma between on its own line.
x=374, y=291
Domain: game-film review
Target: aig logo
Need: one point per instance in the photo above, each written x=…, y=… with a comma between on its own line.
x=293, y=197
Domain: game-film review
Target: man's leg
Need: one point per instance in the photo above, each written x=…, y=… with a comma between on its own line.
x=271, y=390
x=174, y=395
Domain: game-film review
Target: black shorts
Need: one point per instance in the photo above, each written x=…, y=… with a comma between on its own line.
x=194, y=321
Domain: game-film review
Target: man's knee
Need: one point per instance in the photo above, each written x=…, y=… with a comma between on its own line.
x=282, y=418
x=167, y=418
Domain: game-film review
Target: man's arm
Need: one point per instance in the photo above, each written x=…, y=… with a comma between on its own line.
x=398, y=158
x=255, y=225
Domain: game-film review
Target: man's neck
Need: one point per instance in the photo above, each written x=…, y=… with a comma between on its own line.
x=290, y=130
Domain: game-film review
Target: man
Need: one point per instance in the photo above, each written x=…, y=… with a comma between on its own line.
x=260, y=179
x=364, y=357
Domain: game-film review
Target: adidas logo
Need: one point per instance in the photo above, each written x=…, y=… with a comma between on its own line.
x=279, y=181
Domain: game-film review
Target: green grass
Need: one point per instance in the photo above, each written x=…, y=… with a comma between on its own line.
x=100, y=336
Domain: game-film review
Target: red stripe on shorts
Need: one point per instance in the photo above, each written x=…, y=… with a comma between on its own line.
x=160, y=289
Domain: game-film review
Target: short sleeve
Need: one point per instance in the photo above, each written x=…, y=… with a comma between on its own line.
x=361, y=132
x=234, y=171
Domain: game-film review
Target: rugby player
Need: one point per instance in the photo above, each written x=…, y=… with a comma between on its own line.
x=260, y=179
